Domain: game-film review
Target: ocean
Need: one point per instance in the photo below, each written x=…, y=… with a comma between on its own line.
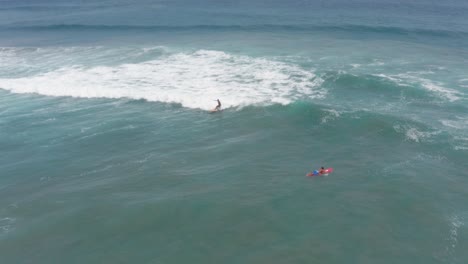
x=109, y=152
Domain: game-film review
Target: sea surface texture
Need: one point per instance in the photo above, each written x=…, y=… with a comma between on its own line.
x=109, y=152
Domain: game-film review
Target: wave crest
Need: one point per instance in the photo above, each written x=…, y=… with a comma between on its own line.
x=193, y=80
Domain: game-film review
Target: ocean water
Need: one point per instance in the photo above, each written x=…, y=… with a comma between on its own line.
x=108, y=152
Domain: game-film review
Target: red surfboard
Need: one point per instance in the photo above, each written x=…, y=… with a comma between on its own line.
x=317, y=173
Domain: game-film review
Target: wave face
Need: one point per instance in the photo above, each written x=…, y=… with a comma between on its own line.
x=194, y=79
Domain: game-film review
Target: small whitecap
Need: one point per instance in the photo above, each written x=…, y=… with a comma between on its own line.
x=455, y=223
x=331, y=114
x=456, y=123
x=413, y=134
x=6, y=224
x=412, y=78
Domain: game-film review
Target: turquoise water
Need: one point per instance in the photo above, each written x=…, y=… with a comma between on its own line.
x=108, y=152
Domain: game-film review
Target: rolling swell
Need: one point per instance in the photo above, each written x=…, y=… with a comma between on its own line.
x=352, y=85
x=315, y=128
x=349, y=28
x=341, y=124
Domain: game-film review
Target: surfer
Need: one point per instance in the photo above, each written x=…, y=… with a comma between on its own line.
x=322, y=170
x=218, y=107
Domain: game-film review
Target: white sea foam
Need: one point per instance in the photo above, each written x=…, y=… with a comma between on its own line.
x=450, y=94
x=193, y=80
x=461, y=143
x=413, y=134
x=457, y=126
x=331, y=115
x=455, y=224
x=376, y=63
x=393, y=79
x=6, y=224
x=457, y=122
x=406, y=79
x=463, y=83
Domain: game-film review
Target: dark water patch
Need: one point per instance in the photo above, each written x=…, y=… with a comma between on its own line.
x=349, y=29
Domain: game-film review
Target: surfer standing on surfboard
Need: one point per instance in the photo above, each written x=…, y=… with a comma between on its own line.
x=218, y=107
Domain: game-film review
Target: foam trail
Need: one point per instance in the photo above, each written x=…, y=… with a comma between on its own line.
x=457, y=122
x=6, y=224
x=455, y=224
x=432, y=86
x=413, y=134
x=192, y=79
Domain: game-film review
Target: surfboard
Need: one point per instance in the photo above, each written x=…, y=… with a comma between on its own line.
x=317, y=173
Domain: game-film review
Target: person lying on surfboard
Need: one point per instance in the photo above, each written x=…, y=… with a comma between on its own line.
x=218, y=107
x=323, y=170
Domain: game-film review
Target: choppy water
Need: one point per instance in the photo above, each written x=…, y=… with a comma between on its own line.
x=109, y=155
